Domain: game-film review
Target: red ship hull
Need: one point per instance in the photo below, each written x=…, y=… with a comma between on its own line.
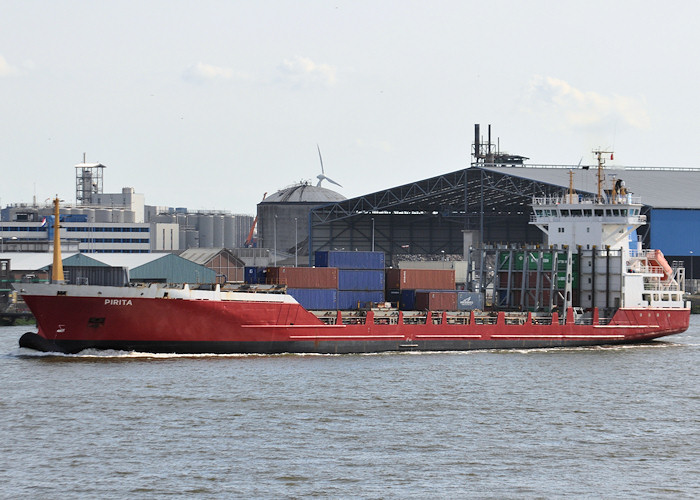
x=71, y=323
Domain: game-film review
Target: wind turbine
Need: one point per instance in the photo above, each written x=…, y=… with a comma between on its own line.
x=322, y=176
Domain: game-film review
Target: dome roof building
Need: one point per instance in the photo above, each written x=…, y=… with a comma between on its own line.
x=283, y=218
x=304, y=193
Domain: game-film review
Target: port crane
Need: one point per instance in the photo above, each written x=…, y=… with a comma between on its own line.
x=249, y=239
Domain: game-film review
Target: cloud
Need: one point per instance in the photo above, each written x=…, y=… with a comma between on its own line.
x=569, y=107
x=6, y=69
x=201, y=73
x=297, y=71
x=302, y=71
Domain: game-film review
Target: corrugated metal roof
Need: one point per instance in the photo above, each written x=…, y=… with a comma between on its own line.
x=130, y=260
x=80, y=259
x=205, y=255
x=154, y=266
x=659, y=188
x=30, y=261
x=200, y=255
x=173, y=269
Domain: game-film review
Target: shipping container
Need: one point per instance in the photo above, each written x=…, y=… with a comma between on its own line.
x=254, y=275
x=250, y=275
x=466, y=301
x=426, y=264
x=349, y=260
x=533, y=257
x=460, y=267
x=517, y=280
x=349, y=300
x=436, y=300
x=425, y=279
x=303, y=277
x=407, y=301
x=360, y=279
x=393, y=296
x=315, y=298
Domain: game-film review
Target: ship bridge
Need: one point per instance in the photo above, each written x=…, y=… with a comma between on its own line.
x=573, y=220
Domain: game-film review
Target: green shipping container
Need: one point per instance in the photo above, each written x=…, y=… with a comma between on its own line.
x=561, y=280
x=504, y=258
x=547, y=259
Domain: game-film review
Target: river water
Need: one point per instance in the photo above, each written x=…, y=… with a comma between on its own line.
x=606, y=422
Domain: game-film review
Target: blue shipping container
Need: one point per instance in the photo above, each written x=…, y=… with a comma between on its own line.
x=315, y=298
x=408, y=300
x=349, y=260
x=254, y=275
x=348, y=300
x=250, y=275
x=360, y=279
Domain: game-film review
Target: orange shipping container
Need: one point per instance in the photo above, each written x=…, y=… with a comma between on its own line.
x=436, y=300
x=424, y=279
x=303, y=277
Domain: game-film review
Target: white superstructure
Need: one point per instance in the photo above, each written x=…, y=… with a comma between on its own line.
x=602, y=230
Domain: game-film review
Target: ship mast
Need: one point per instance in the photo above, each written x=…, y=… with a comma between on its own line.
x=571, y=186
x=57, y=273
x=601, y=161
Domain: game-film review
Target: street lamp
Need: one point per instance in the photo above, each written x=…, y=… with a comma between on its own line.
x=275, y=238
x=692, y=282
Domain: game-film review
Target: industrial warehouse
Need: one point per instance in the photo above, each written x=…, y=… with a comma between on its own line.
x=435, y=220
x=485, y=204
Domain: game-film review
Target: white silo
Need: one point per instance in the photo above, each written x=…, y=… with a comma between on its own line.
x=103, y=215
x=118, y=216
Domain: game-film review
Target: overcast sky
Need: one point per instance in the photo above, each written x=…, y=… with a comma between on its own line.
x=209, y=104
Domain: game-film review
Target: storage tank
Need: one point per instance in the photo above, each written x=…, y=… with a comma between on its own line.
x=283, y=217
x=118, y=216
x=129, y=216
x=103, y=215
x=182, y=238
x=206, y=231
x=192, y=239
x=218, y=236
x=90, y=212
x=229, y=231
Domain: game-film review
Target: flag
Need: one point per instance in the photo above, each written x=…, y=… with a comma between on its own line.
x=43, y=222
x=611, y=156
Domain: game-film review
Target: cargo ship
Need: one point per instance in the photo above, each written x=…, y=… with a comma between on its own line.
x=592, y=283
